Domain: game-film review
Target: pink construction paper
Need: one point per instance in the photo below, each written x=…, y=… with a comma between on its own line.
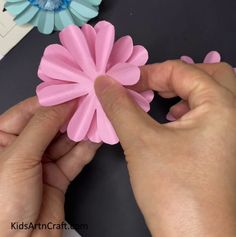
x=211, y=57
x=69, y=70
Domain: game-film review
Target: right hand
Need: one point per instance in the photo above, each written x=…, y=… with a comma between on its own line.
x=183, y=173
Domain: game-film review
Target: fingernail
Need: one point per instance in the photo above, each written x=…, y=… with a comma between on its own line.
x=102, y=83
x=170, y=117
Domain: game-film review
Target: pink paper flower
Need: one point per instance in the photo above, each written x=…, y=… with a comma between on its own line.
x=211, y=57
x=68, y=72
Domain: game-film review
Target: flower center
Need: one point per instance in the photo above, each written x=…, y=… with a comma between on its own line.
x=51, y=5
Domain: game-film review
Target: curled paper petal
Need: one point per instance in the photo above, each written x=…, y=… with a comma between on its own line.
x=139, y=56
x=140, y=100
x=61, y=93
x=104, y=44
x=68, y=72
x=212, y=57
x=148, y=95
x=104, y=124
x=125, y=73
x=80, y=122
x=93, y=130
x=187, y=59
x=121, y=51
x=49, y=15
x=74, y=40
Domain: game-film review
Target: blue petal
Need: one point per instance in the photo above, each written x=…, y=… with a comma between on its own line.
x=63, y=19
x=15, y=1
x=46, y=22
x=78, y=19
x=16, y=8
x=84, y=8
x=95, y=2
x=27, y=15
x=35, y=20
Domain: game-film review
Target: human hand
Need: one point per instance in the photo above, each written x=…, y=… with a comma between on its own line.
x=34, y=171
x=183, y=173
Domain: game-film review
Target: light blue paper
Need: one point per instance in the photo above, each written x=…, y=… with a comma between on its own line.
x=49, y=15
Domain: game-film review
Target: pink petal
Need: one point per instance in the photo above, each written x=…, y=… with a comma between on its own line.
x=58, y=94
x=80, y=123
x=43, y=77
x=148, y=95
x=90, y=35
x=58, y=69
x=74, y=40
x=93, y=135
x=139, y=56
x=105, y=129
x=187, y=59
x=121, y=51
x=58, y=51
x=104, y=45
x=46, y=84
x=212, y=57
x=140, y=100
x=124, y=73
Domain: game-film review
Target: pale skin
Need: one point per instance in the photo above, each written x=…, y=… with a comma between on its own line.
x=183, y=173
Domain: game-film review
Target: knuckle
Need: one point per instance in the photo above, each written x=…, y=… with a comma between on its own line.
x=174, y=64
x=223, y=66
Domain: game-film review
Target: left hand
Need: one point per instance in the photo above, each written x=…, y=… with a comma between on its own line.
x=35, y=168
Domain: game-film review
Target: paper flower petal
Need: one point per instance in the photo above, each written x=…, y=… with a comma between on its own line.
x=63, y=19
x=140, y=100
x=126, y=74
x=121, y=51
x=73, y=39
x=68, y=72
x=80, y=122
x=90, y=35
x=104, y=124
x=95, y=2
x=47, y=84
x=104, y=44
x=58, y=94
x=17, y=7
x=61, y=53
x=139, y=56
x=26, y=16
x=84, y=8
x=148, y=95
x=93, y=130
x=187, y=59
x=46, y=22
x=212, y=57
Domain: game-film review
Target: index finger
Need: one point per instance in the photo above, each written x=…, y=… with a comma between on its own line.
x=180, y=79
x=41, y=130
x=15, y=119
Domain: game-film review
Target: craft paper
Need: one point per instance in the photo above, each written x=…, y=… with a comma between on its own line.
x=49, y=15
x=10, y=33
x=68, y=72
x=211, y=57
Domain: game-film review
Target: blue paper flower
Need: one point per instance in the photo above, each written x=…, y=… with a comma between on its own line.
x=49, y=15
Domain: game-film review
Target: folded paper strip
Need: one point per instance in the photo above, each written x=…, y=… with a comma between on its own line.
x=211, y=57
x=68, y=72
x=49, y=15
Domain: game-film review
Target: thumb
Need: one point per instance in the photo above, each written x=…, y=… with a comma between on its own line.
x=128, y=119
